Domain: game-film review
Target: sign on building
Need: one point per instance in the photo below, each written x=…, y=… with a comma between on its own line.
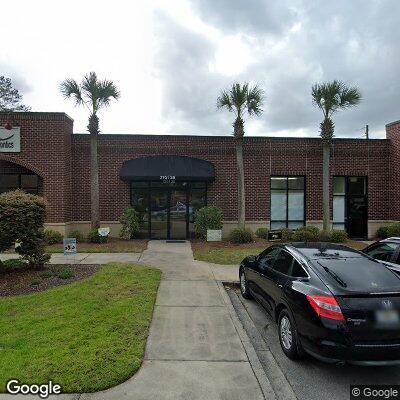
x=10, y=140
x=69, y=246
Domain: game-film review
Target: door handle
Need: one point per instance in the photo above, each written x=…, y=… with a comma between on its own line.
x=279, y=285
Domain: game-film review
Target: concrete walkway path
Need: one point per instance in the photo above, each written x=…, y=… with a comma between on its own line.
x=197, y=348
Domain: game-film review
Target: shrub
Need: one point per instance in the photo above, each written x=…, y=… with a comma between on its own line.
x=388, y=230
x=35, y=282
x=239, y=235
x=52, y=237
x=338, y=236
x=79, y=236
x=12, y=265
x=22, y=217
x=66, y=274
x=130, y=223
x=325, y=236
x=94, y=237
x=207, y=218
x=262, y=233
x=287, y=235
x=46, y=274
x=306, y=234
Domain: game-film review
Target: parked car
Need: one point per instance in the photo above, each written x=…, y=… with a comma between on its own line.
x=387, y=251
x=330, y=301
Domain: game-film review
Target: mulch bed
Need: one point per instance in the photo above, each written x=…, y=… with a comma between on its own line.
x=15, y=283
x=198, y=244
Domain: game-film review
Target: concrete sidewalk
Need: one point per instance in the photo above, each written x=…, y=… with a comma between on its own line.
x=197, y=348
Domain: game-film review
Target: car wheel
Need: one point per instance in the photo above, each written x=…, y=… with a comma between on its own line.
x=288, y=336
x=244, y=290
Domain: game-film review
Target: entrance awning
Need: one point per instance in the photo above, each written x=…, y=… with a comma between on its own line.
x=178, y=168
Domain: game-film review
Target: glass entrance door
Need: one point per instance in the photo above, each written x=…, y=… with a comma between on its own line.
x=178, y=211
x=159, y=213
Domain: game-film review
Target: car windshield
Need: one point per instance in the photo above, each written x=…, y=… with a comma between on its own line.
x=359, y=274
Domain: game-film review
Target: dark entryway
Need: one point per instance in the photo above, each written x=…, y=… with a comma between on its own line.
x=166, y=191
x=350, y=205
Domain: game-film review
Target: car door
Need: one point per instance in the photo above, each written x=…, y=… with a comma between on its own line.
x=264, y=263
x=275, y=278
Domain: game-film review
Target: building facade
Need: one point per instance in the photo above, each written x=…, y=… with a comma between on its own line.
x=167, y=178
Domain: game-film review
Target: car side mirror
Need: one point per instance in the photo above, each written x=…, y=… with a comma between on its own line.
x=252, y=260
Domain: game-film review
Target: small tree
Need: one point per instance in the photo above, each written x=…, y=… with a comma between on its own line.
x=331, y=97
x=240, y=99
x=209, y=217
x=10, y=98
x=129, y=223
x=22, y=217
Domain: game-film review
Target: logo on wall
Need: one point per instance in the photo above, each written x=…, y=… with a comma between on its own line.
x=10, y=140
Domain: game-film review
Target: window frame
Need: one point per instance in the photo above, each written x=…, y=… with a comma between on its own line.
x=19, y=175
x=304, y=190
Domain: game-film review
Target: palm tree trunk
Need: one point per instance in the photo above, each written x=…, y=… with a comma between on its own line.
x=241, y=190
x=93, y=128
x=325, y=186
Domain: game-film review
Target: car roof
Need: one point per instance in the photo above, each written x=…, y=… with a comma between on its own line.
x=390, y=239
x=322, y=250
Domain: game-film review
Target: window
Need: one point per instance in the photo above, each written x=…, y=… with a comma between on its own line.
x=339, y=200
x=27, y=182
x=297, y=270
x=382, y=251
x=283, y=262
x=287, y=202
x=266, y=258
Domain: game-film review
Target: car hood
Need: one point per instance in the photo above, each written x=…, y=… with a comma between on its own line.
x=352, y=276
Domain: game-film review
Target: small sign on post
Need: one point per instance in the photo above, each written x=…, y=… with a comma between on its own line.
x=104, y=231
x=214, y=235
x=70, y=247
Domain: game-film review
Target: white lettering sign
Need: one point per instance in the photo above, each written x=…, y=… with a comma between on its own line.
x=10, y=140
x=214, y=235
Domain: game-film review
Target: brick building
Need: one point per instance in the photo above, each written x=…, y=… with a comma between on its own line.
x=166, y=178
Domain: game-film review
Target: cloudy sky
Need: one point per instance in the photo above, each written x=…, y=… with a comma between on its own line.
x=170, y=59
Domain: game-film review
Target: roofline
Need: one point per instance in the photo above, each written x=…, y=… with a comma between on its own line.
x=393, y=123
x=225, y=137
x=37, y=115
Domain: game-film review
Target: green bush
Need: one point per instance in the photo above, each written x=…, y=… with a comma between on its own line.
x=79, y=236
x=338, y=236
x=12, y=265
x=306, y=234
x=130, y=223
x=66, y=274
x=325, y=236
x=262, y=233
x=207, y=218
x=239, y=235
x=22, y=216
x=94, y=237
x=388, y=230
x=287, y=235
x=52, y=237
x=35, y=282
x=46, y=274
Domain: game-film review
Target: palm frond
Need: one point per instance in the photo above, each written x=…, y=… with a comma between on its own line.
x=70, y=88
x=224, y=100
x=107, y=90
x=255, y=99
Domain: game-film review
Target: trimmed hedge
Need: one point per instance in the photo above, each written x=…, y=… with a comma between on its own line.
x=311, y=233
x=94, y=237
x=207, y=218
x=239, y=235
x=22, y=217
x=79, y=236
x=388, y=231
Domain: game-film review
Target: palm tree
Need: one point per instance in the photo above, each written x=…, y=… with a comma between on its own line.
x=331, y=97
x=93, y=94
x=239, y=99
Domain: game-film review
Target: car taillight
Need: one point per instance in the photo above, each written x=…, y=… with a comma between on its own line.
x=326, y=307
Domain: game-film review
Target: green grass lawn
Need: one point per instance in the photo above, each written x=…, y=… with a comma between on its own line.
x=228, y=254
x=86, y=336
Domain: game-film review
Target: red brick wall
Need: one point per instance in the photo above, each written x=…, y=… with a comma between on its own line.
x=45, y=150
x=263, y=157
x=393, y=133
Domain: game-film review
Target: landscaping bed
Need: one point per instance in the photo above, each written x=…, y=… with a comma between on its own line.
x=113, y=245
x=226, y=253
x=26, y=281
x=86, y=336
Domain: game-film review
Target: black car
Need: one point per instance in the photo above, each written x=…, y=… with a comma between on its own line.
x=387, y=251
x=330, y=301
